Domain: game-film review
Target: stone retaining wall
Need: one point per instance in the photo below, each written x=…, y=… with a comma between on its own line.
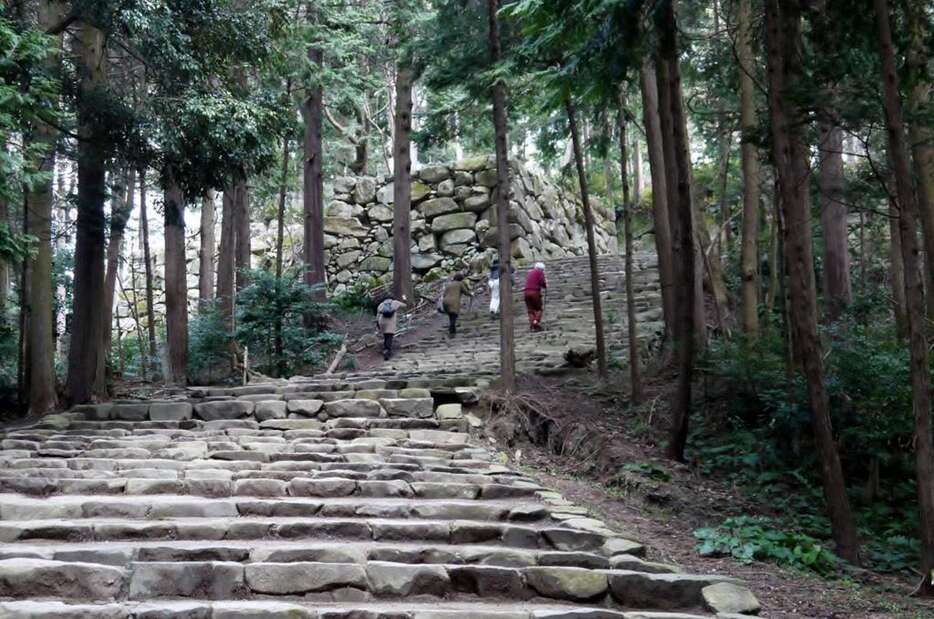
x=453, y=222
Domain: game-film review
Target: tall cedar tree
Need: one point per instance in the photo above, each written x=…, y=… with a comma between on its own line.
x=635, y=378
x=402, y=182
x=313, y=180
x=790, y=153
x=914, y=296
x=507, y=337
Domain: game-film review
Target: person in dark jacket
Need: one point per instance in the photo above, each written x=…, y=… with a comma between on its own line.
x=451, y=301
x=535, y=286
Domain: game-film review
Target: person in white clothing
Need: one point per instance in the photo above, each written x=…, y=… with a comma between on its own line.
x=493, y=283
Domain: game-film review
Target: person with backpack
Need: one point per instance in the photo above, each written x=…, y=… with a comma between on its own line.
x=451, y=300
x=535, y=287
x=387, y=322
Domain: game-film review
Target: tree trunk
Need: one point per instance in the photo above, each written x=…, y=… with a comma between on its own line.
x=792, y=166
x=749, y=254
x=920, y=132
x=660, y=211
x=39, y=203
x=226, y=269
x=833, y=221
x=507, y=334
x=280, y=236
x=206, y=252
x=638, y=186
x=914, y=295
x=4, y=267
x=147, y=260
x=723, y=242
x=635, y=377
x=120, y=210
x=312, y=108
x=242, y=224
x=176, y=284
x=681, y=218
x=591, y=242
x=85, y=347
x=402, y=185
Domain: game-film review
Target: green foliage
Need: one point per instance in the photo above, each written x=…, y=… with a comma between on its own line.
x=357, y=298
x=749, y=539
x=209, y=347
x=266, y=302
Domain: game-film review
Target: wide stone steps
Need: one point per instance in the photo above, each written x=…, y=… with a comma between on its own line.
x=298, y=610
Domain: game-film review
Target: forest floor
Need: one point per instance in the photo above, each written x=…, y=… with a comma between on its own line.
x=584, y=462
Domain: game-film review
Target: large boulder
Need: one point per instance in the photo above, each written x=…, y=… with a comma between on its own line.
x=344, y=184
x=453, y=221
x=338, y=208
x=344, y=226
x=377, y=264
x=456, y=237
x=224, y=409
x=434, y=173
x=379, y=212
x=425, y=261
x=438, y=206
x=477, y=203
x=473, y=164
x=365, y=191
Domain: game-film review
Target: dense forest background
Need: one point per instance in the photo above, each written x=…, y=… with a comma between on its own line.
x=166, y=166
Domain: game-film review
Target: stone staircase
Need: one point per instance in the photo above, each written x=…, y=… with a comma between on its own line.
x=568, y=322
x=349, y=497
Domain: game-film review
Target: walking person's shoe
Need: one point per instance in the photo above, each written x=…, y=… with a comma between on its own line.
x=386, y=354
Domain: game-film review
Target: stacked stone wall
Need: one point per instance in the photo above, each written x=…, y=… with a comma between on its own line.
x=453, y=222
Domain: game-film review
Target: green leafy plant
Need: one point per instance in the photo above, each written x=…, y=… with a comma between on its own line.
x=749, y=539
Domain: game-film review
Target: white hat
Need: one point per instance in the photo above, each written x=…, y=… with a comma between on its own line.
x=540, y=266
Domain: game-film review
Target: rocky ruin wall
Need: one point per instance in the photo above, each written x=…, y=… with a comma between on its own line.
x=453, y=222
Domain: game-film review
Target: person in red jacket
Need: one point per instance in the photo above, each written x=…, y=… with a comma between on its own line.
x=535, y=286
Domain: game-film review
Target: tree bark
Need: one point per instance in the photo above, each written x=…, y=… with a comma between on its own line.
x=147, y=263
x=638, y=186
x=914, y=295
x=635, y=376
x=502, y=195
x=120, y=210
x=791, y=161
x=206, y=252
x=897, y=275
x=242, y=223
x=602, y=367
x=749, y=254
x=837, y=291
x=660, y=211
x=920, y=132
x=176, y=284
x=85, y=347
x=39, y=202
x=4, y=267
x=681, y=218
x=280, y=236
x=315, y=274
x=226, y=269
x=402, y=184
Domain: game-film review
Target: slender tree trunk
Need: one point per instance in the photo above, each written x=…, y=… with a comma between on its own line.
x=206, y=253
x=280, y=236
x=226, y=270
x=242, y=223
x=638, y=186
x=723, y=243
x=312, y=109
x=914, y=295
x=134, y=310
x=833, y=221
x=85, y=347
x=147, y=263
x=635, y=376
x=791, y=157
x=4, y=267
x=749, y=254
x=681, y=217
x=120, y=210
x=402, y=184
x=507, y=334
x=39, y=203
x=920, y=132
x=660, y=211
x=176, y=284
x=591, y=241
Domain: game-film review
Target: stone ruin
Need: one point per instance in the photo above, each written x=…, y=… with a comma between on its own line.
x=453, y=222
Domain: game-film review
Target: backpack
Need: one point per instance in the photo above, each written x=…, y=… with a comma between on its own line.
x=387, y=310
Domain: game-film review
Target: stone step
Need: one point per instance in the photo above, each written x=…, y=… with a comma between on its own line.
x=277, y=551
x=200, y=525
x=317, y=498
x=372, y=580
x=247, y=609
